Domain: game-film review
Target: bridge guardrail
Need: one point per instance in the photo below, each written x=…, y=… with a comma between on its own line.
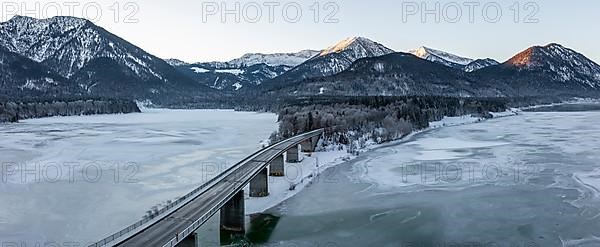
x=180, y=200
x=190, y=229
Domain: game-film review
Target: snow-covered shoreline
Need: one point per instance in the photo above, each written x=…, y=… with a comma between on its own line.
x=298, y=176
x=568, y=102
x=311, y=169
x=336, y=158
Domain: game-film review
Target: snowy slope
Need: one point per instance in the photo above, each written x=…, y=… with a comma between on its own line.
x=558, y=62
x=21, y=77
x=480, y=64
x=332, y=60
x=441, y=57
x=230, y=77
x=99, y=61
x=245, y=72
x=551, y=70
x=545, y=70
x=451, y=60
x=277, y=59
x=345, y=52
x=67, y=44
x=175, y=62
x=340, y=56
x=396, y=74
x=357, y=47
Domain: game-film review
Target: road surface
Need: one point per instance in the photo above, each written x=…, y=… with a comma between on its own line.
x=214, y=197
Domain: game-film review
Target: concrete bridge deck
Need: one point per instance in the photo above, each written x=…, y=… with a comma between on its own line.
x=181, y=223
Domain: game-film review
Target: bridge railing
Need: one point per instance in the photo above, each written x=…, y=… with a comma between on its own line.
x=180, y=201
x=191, y=228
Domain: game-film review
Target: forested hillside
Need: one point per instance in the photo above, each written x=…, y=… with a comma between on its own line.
x=356, y=120
x=12, y=111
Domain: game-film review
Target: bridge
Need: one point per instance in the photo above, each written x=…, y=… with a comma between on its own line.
x=175, y=225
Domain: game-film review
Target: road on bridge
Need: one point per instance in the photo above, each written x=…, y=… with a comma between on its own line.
x=166, y=229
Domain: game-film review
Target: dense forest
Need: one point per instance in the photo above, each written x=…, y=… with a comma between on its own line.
x=13, y=110
x=354, y=121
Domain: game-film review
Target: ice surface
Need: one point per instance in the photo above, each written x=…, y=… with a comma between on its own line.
x=175, y=151
x=377, y=202
x=452, y=121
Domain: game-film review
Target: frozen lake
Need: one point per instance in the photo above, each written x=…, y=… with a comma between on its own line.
x=529, y=180
x=79, y=179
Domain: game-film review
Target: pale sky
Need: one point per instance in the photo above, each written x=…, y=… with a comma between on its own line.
x=175, y=28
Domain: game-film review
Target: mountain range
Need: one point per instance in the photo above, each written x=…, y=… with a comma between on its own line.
x=248, y=71
x=394, y=74
x=453, y=61
x=551, y=70
x=331, y=60
x=97, y=61
x=545, y=70
x=72, y=56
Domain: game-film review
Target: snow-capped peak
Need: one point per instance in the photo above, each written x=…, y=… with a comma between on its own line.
x=340, y=46
x=442, y=57
x=68, y=44
x=66, y=21
x=22, y=34
x=334, y=59
x=58, y=23
x=540, y=55
x=361, y=46
x=562, y=63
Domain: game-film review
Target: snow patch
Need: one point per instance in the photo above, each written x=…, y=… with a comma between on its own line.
x=199, y=70
x=237, y=86
x=434, y=55
x=299, y=176
x=379, y=67
x=230, y=71
x=30, y=84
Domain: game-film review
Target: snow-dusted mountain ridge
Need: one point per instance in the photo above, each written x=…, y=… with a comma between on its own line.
x=332, y=60
x=276, y=59
x=562, y=63
x=99, y=61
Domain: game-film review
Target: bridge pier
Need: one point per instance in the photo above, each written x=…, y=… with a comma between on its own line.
x=276, y=168
x=226, y=191
x=306, y=146
x=189, y=241
x=315, y=142
x=309, y=145
x=233, y=213
x=259, y=185
x=292, y=155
